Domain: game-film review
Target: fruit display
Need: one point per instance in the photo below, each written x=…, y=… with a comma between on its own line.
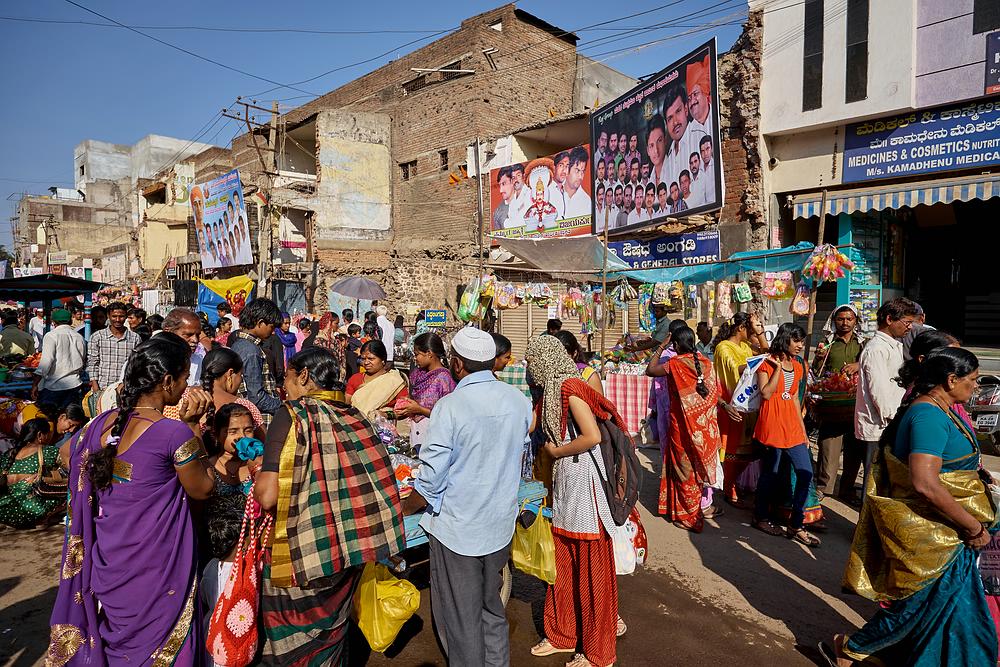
x=836, y=394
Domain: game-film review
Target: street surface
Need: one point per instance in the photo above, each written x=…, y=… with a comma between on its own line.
x=729, y=595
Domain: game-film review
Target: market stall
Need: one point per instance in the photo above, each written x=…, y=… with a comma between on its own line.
x=15, y=374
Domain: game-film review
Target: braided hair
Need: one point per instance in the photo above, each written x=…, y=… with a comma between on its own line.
x=161, y=356
x=684, y=343
x=729, y=327
x=216, y=364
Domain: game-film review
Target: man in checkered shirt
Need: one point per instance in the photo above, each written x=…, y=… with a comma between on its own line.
x=257, y=323
x=109, y=349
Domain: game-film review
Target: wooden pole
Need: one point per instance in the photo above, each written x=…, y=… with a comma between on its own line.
x=812, y=295
x=604, y=294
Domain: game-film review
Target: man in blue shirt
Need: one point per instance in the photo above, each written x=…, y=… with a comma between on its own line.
x=470, y=469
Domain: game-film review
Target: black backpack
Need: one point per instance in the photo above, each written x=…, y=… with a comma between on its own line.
x=621, y=487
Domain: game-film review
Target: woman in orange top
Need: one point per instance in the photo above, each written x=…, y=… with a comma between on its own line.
x=783, y=433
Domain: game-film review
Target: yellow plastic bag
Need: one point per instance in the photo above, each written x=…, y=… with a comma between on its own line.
x=534, y=551
x=382, y=604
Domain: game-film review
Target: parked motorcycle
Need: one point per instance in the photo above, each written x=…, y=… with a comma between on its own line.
x=984, y=408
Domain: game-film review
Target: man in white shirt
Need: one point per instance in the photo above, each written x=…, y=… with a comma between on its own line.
x=388, y=331
x=600, y=211
x=602, y=147
x=707, y=153
x=520, y=200
x=57, y=379
x=684, y=138
x=557, y=188
x=638, y=214
x=879, y=396
x=699, y=90
x=577, y=200
x=36, y=327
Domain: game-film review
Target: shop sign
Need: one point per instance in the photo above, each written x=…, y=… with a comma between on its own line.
x=435, y=318
x=59, y=257
x=944, y=138
x=993, y=63
x=660, y=143
x=669, y=251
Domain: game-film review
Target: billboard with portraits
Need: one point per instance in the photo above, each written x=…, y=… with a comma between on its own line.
x=220, y=222
x=657, y=149
x=547, y=197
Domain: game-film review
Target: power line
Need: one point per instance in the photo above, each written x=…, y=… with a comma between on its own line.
x=304, y=31
x=190, y=53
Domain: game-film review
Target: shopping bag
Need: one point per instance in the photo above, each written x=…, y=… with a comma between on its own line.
x=534, y=551
x=746, y=396
x=232, y=630
x=383, y=604
x=629, y=544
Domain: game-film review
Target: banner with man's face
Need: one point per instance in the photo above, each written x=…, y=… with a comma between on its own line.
x=220, y=222
x=546, y=197
x=657, y=147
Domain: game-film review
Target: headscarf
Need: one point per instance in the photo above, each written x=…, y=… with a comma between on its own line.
x=698, y=73
x=829, y=328
x=326, y=330
x=288, y=339
x=550, y=365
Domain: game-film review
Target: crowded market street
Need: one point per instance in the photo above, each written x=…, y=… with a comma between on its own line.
x=757, y=598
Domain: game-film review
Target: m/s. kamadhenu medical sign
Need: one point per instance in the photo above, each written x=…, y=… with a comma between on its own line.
x=669, y=251
x=944, y=138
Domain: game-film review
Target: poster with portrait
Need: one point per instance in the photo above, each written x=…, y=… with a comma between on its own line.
x=220, y=222
x=547, y=197
x=657, y=147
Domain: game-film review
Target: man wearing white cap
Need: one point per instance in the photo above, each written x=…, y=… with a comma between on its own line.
x=470, y=468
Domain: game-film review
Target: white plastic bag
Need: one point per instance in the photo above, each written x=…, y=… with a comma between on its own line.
x=746, y=396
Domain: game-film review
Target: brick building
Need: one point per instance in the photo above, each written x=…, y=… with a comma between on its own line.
x=366, y=172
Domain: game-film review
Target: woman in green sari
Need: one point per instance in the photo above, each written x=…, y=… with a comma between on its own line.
x=27, y=463
x=926, y=513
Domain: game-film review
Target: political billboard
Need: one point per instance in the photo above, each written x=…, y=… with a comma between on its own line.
x=546, y=197
x=220, y=222
x=657, y=147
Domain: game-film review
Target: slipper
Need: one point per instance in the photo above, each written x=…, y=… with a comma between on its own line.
x=712, y=511
x=579, y=660
x=545, y=647
x=828, y=654
x=767, y=527
x=803, y=536
x=622, y=628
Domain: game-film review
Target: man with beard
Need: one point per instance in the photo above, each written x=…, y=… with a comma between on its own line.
x=622, y=175
x=645, y=173
x=633, y=176
x=611, y=153
x=633, y=151
x=520, y=200
x=622, y=219
x=602, y=147
x=684, y=139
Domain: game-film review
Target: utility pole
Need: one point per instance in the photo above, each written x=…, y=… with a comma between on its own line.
x=479, y=209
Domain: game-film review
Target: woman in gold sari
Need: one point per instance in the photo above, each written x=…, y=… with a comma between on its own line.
x=927, y=512
x=380, y=386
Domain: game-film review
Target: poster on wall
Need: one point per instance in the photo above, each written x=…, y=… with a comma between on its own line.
x=547, y=197
x=945, y=138
x=220, y=222
x=657, y=147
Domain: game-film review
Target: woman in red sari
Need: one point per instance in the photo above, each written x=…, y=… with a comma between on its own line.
x=691, y=460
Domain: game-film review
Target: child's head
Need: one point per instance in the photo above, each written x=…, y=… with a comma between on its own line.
x=353, y=330
x=224, y=518
x=232, y=422
x=503, y=352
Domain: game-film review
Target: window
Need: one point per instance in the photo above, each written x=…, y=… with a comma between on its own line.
x=985, y=16
x=856, y=76
x=443, y=155
x=498, y=26
x=413, y=85
x=408, y=169
x=812, y=56
x=447, y=76
x=82, y=169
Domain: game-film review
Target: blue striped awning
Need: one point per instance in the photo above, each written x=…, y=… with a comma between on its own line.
x=943, y=191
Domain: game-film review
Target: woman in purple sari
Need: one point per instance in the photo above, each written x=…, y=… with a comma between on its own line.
x=429, y=382
x=128, y=586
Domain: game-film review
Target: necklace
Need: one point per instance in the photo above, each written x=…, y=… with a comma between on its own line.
x=148, y=407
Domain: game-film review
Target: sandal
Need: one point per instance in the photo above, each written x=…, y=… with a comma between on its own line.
x=833, y=654
x=803, y=536
x=713, y=511
x=579, y=660
x=545, y=647
x=622, y=628
x=767, y=527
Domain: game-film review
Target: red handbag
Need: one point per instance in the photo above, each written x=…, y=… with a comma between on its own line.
x=232, y=631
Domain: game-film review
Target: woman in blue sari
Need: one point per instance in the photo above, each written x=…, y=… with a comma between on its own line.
x=926, y=513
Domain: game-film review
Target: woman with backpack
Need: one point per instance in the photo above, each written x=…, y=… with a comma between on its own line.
x=581, y=607
x=691, y=461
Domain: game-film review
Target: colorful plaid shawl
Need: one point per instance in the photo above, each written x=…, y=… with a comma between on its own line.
x=339, y=506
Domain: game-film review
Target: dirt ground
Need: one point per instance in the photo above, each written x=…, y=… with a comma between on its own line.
x=729, y=595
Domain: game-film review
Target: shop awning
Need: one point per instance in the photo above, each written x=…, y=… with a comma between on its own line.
x=941, y=191
x=45, y=286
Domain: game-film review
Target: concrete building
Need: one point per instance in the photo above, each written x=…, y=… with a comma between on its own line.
x=883, y=105
x=371, y=173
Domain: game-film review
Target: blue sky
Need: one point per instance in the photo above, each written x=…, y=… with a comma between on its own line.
x=67, y=82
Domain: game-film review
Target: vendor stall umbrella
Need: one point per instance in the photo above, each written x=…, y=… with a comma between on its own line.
x=359, y=287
